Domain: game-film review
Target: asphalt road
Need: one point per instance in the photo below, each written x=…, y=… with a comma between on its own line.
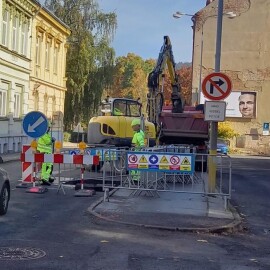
x=53, y=231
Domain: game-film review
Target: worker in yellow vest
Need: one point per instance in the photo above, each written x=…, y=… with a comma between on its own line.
x=137, y=142
x=45, y=146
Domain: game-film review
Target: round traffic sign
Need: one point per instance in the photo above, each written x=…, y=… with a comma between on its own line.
x=132, y=159
x=35, y=124
x=174, y=160
x=216, y=86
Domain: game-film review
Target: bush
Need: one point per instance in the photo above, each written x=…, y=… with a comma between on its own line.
x=225, y=130
x=67, y=136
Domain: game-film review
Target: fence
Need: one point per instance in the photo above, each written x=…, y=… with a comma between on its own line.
x=166, y=169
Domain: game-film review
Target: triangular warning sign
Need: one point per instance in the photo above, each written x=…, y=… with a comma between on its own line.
x=98, y=153
x=185, y=161
x=164, y=160
x=143, y=160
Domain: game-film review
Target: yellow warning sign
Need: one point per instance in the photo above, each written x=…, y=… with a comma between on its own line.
x=98, y=153
x=185, y=161
x=143, y=160
x=164, y=160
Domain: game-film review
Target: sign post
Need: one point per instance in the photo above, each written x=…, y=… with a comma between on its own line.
x=35, y=125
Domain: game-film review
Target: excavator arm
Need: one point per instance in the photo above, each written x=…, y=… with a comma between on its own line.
x=156, y=83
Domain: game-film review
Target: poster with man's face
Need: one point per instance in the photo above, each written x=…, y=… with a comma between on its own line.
x=239, y=104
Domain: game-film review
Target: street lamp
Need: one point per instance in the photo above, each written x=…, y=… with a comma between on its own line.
x=178, y=15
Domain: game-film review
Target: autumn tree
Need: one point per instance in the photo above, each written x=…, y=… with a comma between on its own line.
x=184, y=74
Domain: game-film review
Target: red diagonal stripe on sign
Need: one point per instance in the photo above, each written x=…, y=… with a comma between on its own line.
x=22, y=157
x=216, y=86
x=77, y=159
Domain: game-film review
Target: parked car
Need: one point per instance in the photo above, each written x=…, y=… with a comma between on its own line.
x=4, y=191
x=222, y=146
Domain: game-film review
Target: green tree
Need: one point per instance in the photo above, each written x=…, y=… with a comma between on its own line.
x=89, y=56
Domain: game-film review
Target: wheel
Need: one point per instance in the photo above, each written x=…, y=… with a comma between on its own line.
x=4, y=198
x=120, y=163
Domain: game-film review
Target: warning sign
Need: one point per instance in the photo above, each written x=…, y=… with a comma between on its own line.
x=132, y=158
x=143, y=160
x=185, y=161
x=164, y=160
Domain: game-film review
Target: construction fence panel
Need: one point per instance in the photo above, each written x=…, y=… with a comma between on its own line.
x=171, y=169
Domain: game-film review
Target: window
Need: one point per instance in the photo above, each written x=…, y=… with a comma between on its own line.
x=134, y=109
x=55, y=59
x=38, y=49
x=47, y=54
x=24, y=35
x=5, y=26
x=4, y=87
x=15, y=30
x=17, y=101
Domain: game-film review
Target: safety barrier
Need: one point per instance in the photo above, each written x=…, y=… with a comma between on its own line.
x=167, y=169
x=61, y=159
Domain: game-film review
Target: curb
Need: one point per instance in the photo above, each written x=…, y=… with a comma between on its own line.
x=230, y=227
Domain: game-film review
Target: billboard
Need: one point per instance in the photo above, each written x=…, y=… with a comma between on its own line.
x=239, y=104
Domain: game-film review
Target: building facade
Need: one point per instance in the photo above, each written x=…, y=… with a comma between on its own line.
x=32, y=74
x=245, y=54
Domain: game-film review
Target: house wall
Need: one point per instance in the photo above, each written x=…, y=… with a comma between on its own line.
x=245, y=59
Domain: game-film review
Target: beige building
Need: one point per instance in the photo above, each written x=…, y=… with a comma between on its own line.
x=32, y=74
x=245, y=57
x=48, y=66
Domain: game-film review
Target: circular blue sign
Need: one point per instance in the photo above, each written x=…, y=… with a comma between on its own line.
x=153, y=159
x=35, y=124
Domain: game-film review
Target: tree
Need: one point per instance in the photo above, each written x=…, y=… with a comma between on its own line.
x=89, y=56
x=184, y=74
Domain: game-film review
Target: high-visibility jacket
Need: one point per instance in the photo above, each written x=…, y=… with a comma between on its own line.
x=138, y=139
x=45, y=144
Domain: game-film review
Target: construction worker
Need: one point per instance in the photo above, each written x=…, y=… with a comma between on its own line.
x=138, y=137
x=137, y=142
x=45, y=146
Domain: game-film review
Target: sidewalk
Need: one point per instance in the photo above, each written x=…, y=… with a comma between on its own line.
x=169, y=211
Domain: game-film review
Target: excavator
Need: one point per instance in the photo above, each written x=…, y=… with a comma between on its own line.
x=175, y=123
x=113, y=125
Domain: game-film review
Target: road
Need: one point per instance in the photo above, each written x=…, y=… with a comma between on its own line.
x=54, y=231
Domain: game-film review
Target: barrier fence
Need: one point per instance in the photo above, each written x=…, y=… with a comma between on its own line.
x=152, y=170
x=166, y=169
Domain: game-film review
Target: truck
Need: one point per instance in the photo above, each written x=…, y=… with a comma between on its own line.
x=176, y=123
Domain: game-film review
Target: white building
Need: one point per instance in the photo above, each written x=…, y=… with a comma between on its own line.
x=29, y=80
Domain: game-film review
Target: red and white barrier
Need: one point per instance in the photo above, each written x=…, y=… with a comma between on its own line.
x=27, y=167
x=60, y=158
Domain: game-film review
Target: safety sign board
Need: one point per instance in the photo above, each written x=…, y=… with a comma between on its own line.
x=216, y=86
x=35, y=124
x=146, y=161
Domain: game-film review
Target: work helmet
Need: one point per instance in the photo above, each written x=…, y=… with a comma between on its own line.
x=135, y=122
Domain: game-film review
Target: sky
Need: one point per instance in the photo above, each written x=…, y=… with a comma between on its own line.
x=143, y=23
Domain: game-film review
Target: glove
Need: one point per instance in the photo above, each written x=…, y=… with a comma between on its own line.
x=53, y=140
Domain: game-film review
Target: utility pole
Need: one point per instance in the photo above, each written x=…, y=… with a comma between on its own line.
x=214, y=125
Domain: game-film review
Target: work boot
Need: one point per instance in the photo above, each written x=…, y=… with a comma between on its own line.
x=51, y=180
x=45, y=183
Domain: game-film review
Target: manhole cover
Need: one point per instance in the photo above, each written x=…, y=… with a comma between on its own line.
x=11, y=253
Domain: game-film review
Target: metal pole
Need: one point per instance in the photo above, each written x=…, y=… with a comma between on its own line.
x=214, y=125
x=201, y=57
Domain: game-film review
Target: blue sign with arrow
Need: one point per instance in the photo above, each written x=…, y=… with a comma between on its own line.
x=35, y=124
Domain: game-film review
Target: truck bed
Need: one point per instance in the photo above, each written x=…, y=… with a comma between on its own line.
x=188, y=127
